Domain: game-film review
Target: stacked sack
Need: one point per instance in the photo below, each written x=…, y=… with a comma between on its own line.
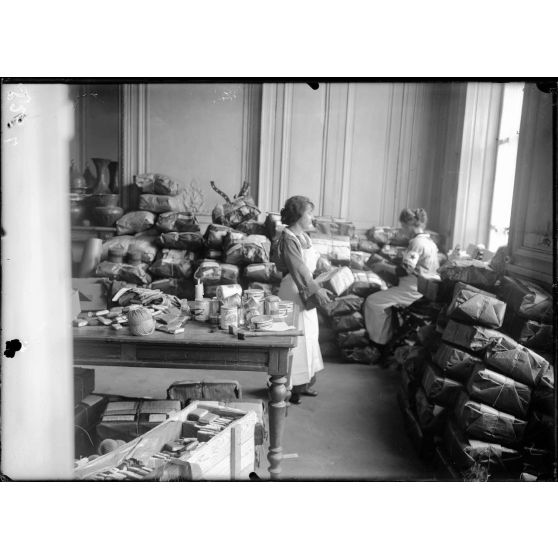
x=481, y=395
x=342, y=269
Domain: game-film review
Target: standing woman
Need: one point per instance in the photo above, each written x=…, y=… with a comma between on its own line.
x=297, y=260
x=420, y=258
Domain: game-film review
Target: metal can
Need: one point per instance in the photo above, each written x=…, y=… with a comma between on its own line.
x=200, y=309
x=262, y=322
x=214, y=306
x=229, y=317
x=272, y=304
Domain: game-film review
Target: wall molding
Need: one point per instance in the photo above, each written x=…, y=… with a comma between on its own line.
x=286, y=139
x=134, y=147
x=251, y=132
x=347, y=152
x=324, y=157
x=267, y=146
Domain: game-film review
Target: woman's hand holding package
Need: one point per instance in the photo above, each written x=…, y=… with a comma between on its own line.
x=323, y=296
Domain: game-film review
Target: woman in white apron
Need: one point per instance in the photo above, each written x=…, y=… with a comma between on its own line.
x=420, y=258
x=297, y=260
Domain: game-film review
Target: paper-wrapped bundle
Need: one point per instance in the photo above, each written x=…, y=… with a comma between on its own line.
x=181, y=221
x=434, y=289
x=343, y=305
x=348, y=322
x=350, y=339
x=237, y=210
x=482, y=422
x=543, y=396
x=162, y=204
x=263, y=272
x=439, y=389
x=174, y=263
x=500, y=392
x=120, y=243
x=334, y=226
x=411, y=360
x=150, y=183
x=473, y=272
x=455, y=363
x=358, y=259
x=323, y=265
x=251, y=249
x=387, y=271
x=336, y=248
x=365, y=283
x=470, y=306
x=145, y=243
x=338, y=280
x=431, y=416
x=233, y=237
x=465, y=452
x=191, y=241
x=530, y=333
x=471, y=337
x=367, y=246
x=215, y=235
x=267, y=288
x=252, y=227
x=516, y=361
x=210, y=272
x=364, y=355
x=526, y=299
x=387, y=235
x=135, y=222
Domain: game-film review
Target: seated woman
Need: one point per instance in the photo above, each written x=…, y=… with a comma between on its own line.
x=420, y=258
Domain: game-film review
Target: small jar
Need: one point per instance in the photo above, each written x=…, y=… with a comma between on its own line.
x=116, y=255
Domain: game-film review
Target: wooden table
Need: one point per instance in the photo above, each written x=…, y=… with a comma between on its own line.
x=200, y=346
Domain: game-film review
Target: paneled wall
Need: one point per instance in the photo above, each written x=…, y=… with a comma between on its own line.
x=195, y=133
x=362, y=150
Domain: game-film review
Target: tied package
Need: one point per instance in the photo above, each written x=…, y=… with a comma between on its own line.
x=471, y=337
x=173, y=263
x=337, y=280
x=351, y=339
x=431, y=416
x=366, y=282
x=336, y=248
x=164, y=204
x=516, y=361
x=465, y=452
x=474, y=272
x=181, y=221
x=192, y=241
x=526, y=299
x=543, y=396
x=248, y=250
x=215, y=235
x=264, y=272
x=439, y=389
x=348, y=322
x=387, y=235
x=455, y=363
x=433, y=288
x=531, y=334
x=363, y=355
x=135, y=222
x=472, y=306
x=500, y=392
x=343, y=305
x=485, y=423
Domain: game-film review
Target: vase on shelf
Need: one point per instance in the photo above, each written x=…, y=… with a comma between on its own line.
x=103, y=176
x=114, y=180
x=106, y=216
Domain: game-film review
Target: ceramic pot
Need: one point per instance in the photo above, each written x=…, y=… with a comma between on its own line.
x=103, y=176
x=104, y=200
x=114, y=181
x=106, y=216
x=77, y=213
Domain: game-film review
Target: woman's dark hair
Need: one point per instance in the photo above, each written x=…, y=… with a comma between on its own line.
x=294, y=209
x=414, y=217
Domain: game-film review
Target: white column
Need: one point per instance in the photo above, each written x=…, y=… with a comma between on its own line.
x=37, y=392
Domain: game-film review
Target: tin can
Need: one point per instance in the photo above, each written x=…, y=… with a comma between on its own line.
x=262, y=322
x=226, y=291
x=200, y=309
x=214, y=306
x=271, y=304
x=229, y=317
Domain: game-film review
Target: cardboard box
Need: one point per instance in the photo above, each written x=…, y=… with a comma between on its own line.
x=92, y=293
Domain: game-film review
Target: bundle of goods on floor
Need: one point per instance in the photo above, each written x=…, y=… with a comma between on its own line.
x=109, y=428
x=352, y=268
x=477, y=389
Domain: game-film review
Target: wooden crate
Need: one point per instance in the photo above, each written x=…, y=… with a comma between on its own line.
x=227, y=456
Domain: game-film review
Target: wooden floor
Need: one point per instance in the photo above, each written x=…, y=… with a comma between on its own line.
x=353, y=430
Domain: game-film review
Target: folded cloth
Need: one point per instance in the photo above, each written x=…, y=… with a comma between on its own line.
x=472, y=337
x=482, y=422
x=455, y=363
x=499, y=391
x=515, y=360
x=474, y=307
x=350, y=339
x=464, y=452
x=192, y=241
x=438, y=388
x=473, y=272
x=543, y=396
x=526, y=299
x=343, y=305
x=431, y=417
x=348, y=322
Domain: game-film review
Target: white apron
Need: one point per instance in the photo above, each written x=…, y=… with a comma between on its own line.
x=307, y=357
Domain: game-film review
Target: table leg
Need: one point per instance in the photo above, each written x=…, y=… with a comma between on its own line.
x=277, y=411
